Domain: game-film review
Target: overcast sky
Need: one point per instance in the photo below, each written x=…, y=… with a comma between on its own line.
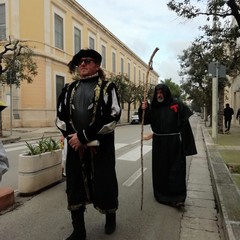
x=144, y=25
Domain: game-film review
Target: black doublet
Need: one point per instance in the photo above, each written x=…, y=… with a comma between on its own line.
x=82, y=106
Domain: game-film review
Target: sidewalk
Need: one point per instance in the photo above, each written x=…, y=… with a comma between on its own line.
x=226, y=192
x=200, y=220
x=209, y=184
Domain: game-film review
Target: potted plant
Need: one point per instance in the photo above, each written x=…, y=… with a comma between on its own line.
x=40, y=166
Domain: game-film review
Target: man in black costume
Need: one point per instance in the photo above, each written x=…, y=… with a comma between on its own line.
x=87, y=113
x=172, y=141
x=227, y=112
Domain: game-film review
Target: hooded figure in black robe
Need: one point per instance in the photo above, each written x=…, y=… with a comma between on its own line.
x=172, y=141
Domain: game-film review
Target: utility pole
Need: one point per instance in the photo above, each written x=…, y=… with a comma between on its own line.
x=216, y=70
x=10, y=79
x=215, y=104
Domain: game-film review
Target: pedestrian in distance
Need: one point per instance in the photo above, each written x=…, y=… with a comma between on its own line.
x=172, y=141
x=238, y=115
x=4, y=165
x=87, y=113
x=228, y=112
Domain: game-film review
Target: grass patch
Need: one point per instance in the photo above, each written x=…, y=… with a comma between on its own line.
x=236, y=179
x=231, y=139
x=230, y=156
x=232, y=160
x=234, y=168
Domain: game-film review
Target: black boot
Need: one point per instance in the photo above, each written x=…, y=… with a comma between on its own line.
x=110, y=225
x=79, y=231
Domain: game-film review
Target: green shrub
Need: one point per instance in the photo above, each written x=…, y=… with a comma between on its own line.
x=42, y=146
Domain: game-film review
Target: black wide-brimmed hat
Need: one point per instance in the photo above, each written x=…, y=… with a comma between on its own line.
x=86, y=53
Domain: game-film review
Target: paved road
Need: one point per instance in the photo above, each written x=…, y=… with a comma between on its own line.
x=44, y=216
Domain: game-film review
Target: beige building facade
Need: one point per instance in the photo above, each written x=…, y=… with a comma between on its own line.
x=232, y=96
x=232, y=93
x=56, y=30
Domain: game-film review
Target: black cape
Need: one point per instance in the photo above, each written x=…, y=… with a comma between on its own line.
x=90, y=172
x=172, y=141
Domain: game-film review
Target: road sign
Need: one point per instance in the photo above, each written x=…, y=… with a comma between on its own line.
x=215, y=69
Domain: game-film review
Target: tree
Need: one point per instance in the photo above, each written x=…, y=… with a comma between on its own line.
x=17, y=59
x=220, y=38
x=195, y=80
x=174, y=88
x=16, y=65
x=128, y=92
x=219, y=8
x=121, y=84
x=219, y=41
x=130, y=96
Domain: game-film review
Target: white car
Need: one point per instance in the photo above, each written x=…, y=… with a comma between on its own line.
x=134, y=118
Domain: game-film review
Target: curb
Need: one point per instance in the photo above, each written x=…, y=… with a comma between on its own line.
x=10, y=140
x=225, y=190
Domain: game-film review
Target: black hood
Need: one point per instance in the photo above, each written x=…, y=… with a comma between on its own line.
x=166, y=93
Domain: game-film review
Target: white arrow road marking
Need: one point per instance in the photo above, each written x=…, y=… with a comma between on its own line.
x=134, y=177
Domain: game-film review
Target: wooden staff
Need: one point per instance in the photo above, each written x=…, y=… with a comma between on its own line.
x=143, y=114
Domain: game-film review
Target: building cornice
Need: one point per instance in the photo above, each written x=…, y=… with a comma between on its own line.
x=91, y=18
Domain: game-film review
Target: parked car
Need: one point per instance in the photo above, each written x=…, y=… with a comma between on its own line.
x=134, y=118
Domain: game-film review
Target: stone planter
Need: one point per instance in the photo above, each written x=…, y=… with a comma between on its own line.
x=37, y=172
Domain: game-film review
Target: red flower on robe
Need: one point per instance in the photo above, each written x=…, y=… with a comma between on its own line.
x=174, y=107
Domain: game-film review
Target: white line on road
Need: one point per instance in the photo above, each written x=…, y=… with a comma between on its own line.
x=134, y=177
x=15, y=148
x=120, y=145
x=136, y=142
x=134, y=154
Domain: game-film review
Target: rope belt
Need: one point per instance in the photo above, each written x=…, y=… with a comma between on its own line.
x=166, y=134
